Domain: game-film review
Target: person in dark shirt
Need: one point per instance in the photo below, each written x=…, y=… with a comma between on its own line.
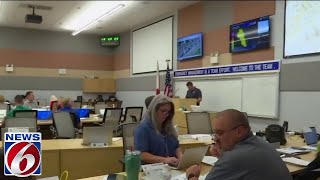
x=241, y=155
x=66, y=105
x=194, y=92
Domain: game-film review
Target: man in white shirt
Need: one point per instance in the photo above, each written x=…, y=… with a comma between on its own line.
x=30, y=102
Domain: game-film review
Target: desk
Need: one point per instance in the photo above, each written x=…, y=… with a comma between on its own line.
x=294, y=169
x=297, y=141
x=49, y=122
x=84, y=161
x=204, y=170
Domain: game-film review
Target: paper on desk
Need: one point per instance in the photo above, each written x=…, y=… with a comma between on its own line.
x=152, y=170
x=116, y=139
x=310, y=148
x=296, y=161
x=289, y=150
x=210, y=160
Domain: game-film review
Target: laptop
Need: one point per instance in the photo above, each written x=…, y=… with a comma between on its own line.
x=97, y=135
x=191, y=157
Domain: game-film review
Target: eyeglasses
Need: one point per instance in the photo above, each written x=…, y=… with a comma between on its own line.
x=219, y=133
x=165, y=111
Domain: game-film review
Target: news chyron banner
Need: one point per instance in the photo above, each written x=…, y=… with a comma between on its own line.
x=22, y=154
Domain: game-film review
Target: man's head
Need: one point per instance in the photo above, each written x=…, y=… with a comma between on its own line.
x=230, y=126
x=18, y=99
x=30, y=96
x=190, y=85
x=148, y=101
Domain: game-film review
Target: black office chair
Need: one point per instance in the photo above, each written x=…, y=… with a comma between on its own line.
x=25, y=113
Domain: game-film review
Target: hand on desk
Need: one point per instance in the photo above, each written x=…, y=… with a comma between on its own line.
x=171, y=160
x=195, y=169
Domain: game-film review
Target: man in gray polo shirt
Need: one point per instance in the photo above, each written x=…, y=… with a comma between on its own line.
x=194, y=92
x=241, y=155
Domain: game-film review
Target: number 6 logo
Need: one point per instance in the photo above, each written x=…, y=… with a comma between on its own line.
x=22, y=159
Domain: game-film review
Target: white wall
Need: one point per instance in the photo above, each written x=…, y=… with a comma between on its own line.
x=299, y=108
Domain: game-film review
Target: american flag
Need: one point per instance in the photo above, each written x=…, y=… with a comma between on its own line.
x=168, y=88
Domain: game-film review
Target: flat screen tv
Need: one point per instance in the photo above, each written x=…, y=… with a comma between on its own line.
x=250, y=35
x=190, y=46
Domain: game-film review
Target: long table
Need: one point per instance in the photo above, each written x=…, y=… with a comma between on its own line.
x=91, y=119
x=84, y=161
x=294, y=169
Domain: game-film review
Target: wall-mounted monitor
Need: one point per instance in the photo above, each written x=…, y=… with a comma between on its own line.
x=190, y=47
x=250, y=35
x=302, y=28
x=108, y=41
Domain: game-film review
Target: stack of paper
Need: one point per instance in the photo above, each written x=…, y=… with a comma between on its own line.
x=310, y=148
x=210, y=160
x=290, y=150
x=296, y=161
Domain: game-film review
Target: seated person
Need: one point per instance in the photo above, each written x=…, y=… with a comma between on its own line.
x=155, y=137
x=30, y=100
x=148, y=100
x=241, y=155
x=66, y=106
x=19, y=106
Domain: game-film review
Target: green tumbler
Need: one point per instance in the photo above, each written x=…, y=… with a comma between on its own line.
x=132, y=164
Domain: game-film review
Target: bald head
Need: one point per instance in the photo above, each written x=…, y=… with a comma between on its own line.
x=235, y=117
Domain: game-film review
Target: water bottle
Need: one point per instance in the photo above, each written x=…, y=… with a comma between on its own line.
x=166, y=172
x=132, y=164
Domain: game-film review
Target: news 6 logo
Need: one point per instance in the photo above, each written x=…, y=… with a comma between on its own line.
x=22, y=154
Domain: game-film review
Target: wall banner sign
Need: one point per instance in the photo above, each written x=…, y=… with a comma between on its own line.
x=234, y=69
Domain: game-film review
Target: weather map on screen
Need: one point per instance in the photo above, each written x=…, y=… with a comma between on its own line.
x=250, y=35
x=190, y=46
x=302, y=28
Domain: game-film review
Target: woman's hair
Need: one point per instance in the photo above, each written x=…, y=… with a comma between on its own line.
x=167, y=127
x=66, y=102
x=2, y=99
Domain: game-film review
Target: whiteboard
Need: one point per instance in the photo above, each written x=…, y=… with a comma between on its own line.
x=217, y=95
x=151, y=44
x=260, y=96
x=256, y=95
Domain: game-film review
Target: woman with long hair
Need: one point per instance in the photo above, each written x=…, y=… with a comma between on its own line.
x=156, y=136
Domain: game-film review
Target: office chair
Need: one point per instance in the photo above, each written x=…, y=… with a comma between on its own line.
x=77, y=105
x=198, y=123
x=64, y=125
x=25, y=113
x=128, y=138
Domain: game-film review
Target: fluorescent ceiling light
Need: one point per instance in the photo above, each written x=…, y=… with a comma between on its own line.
x=85, y=21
